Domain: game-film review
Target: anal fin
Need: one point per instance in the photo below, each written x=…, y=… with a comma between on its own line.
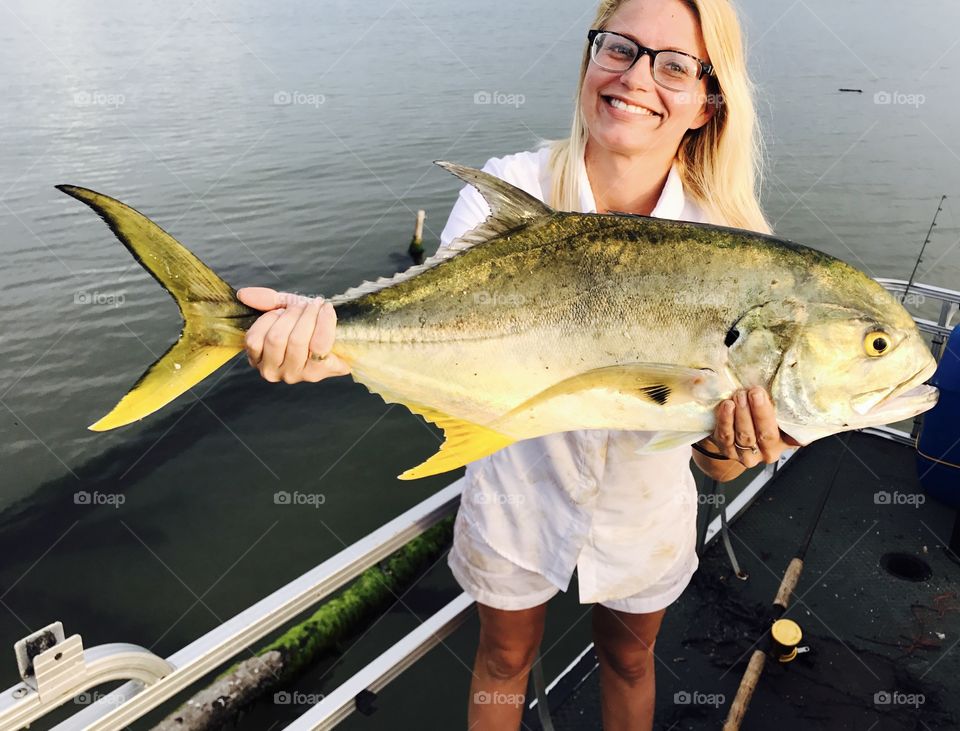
x=464, y=442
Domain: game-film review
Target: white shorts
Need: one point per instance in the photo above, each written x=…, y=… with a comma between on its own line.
x=491, y=579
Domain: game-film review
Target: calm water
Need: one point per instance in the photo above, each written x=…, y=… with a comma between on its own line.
x=290, y=146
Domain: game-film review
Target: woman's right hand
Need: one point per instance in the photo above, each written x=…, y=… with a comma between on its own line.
x=291, y=341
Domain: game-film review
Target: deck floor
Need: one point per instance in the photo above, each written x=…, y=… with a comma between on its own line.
x=884, y=653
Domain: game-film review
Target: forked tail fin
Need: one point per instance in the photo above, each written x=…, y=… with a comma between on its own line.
x=214, y=320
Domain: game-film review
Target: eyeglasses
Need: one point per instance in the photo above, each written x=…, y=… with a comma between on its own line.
x=673, y=70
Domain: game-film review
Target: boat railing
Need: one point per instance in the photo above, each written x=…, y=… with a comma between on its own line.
x=60, y=668
x=55, y=668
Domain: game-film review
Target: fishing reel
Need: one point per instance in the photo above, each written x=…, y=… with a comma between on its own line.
x=785, y=638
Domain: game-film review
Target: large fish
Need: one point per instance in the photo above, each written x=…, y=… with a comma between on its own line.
x=539, y=321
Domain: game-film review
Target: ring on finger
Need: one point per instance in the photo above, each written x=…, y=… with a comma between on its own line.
x=752, y=449
x=317, y=356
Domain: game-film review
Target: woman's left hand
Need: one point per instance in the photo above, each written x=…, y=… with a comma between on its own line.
x=747, y=431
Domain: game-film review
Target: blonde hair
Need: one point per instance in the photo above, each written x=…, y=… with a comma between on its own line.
x=720, y=164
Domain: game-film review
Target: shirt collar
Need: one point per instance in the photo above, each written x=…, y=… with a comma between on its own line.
x=670, y=205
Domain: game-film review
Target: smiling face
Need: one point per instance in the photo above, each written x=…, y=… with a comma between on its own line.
x=628, y=113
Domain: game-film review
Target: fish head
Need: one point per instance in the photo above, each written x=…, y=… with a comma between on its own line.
x=850, y=365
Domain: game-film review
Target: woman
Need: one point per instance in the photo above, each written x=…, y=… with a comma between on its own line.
x=664, y=125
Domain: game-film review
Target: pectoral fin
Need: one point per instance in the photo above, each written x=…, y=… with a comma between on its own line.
x=656, y=383
x=464, y=442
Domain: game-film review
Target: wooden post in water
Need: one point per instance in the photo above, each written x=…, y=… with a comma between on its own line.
x=416, y=243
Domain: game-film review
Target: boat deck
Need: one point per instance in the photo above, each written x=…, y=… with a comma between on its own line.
x=883, y=651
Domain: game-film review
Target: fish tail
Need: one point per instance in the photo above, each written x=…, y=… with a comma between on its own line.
x=214, y=320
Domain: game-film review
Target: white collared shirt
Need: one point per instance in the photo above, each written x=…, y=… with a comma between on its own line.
x=582, y=499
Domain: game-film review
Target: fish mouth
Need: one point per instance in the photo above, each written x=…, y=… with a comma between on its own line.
x=907, y=399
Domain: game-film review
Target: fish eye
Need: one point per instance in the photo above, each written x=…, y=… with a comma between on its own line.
x=876, y=343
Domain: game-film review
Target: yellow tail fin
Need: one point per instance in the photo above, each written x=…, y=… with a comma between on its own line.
x=214, y=320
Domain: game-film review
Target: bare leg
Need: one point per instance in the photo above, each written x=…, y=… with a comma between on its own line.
x=508, y=646
x=624, y=644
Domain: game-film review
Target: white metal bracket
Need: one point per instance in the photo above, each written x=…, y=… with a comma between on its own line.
x=55, y=668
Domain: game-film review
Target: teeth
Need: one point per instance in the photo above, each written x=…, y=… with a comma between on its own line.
x=620, y=104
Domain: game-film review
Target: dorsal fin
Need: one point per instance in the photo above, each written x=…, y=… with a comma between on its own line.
x=510, y=208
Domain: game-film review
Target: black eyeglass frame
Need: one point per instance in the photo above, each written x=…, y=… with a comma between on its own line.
x=706, y=69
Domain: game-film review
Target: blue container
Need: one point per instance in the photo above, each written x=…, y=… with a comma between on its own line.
x=938, y=449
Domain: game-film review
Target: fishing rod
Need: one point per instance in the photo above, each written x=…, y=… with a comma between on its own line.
x=937, y=338
x=783, y=635
x=923, y=248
